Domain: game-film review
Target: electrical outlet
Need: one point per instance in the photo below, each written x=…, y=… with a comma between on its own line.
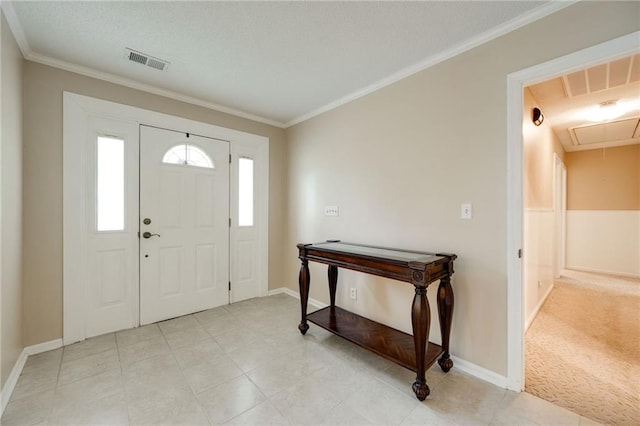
x=466, y=211
x=331, y=211
x=354, y=293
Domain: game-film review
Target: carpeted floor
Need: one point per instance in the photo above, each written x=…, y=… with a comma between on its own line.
x=582, y=351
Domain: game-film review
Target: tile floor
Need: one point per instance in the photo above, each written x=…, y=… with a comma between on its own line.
x=247, y=363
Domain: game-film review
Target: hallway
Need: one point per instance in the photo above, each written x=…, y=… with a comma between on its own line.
x=582, y=351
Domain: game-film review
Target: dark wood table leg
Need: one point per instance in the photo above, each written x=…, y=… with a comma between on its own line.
x=420, y=320
x=445, y=314
x=333, y=281
x=304, y=280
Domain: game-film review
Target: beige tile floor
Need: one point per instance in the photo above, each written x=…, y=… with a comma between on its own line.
x=247, y=363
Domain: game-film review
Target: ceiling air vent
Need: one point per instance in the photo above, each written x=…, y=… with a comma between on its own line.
x=603, y=77
x=144, y=59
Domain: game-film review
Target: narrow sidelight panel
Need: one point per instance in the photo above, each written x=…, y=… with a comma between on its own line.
x=110, y=184
x=245, y=192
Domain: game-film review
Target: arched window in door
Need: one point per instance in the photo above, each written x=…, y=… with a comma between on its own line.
x=187, y=155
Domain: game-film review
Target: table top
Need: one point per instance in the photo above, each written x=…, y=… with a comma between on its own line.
x=373, y=251
x=416, y=267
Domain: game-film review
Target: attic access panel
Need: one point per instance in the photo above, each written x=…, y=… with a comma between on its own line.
x=614, y=131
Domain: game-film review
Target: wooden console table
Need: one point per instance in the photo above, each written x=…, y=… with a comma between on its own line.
x=414, y=352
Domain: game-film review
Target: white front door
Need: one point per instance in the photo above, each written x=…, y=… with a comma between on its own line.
x=184, y=223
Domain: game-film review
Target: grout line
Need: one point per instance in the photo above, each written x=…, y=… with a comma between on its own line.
x=124, y=388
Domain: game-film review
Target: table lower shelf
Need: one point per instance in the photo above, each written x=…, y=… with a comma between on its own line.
x=394, y=345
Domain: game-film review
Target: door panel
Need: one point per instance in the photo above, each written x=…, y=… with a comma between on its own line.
x=111, y=278
x=184, y=264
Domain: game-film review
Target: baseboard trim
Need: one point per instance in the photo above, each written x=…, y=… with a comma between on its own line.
x=479, y=372
x=601, y=271
x=459, y=363
x=286, y=290
x=537, y=309
x=43, y=347
x=12, y=380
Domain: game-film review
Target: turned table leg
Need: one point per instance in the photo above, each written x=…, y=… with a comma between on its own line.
x=445, y=314
x=420, y=320
x=304, y=280
x=333, y=281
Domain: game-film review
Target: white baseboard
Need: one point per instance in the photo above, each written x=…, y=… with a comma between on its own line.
x=602, y=271
x=12, y=380
x=537, y=309
x=286, y=290
x=43, y=347
x=479, y=372
x=459, y=363
x=16, y=371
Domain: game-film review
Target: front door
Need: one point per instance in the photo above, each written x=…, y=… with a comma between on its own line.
x=184, y=223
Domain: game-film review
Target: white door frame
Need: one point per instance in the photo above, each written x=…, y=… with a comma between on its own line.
x=560, y=207
x=76, y=109
x=607, y=51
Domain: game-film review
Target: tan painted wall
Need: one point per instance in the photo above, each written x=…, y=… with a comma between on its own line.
x=11, y=202
x=43, y=183
x=604, y=179
x=603, y=217
x=400, y=161
x=540, y=143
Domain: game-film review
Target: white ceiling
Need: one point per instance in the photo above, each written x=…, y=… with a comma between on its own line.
x=277, y=62
x=566, y=101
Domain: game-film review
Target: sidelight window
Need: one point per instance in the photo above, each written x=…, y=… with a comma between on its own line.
x=245, y=192
x=110, y=184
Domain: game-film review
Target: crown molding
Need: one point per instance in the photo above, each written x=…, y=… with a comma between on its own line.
x=111, y=78
x=30, y=55
x=532, y=16
x=16, y=27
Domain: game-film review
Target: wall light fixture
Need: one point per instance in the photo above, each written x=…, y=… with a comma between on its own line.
x=538, y=118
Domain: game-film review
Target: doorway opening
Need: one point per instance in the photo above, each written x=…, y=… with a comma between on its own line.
x=516, y=82
x=536, y=209
x=575, y=319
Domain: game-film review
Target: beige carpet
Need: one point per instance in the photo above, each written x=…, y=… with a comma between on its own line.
x=582, y=351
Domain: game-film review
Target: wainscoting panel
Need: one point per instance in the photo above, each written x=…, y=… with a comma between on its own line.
x=605, y=241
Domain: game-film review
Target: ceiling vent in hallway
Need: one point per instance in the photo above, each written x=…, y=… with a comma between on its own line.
x=603, y=77
x=148, y=60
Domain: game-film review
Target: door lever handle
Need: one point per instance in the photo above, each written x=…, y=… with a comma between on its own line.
x=149, y=235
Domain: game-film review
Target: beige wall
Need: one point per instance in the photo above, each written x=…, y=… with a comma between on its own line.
x=540, y=145
x=43, y=183
x=11, y=202
x=603, y=217
x=400, y=161
x=604, y=179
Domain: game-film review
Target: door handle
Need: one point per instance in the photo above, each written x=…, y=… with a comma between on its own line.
x=149, y=235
